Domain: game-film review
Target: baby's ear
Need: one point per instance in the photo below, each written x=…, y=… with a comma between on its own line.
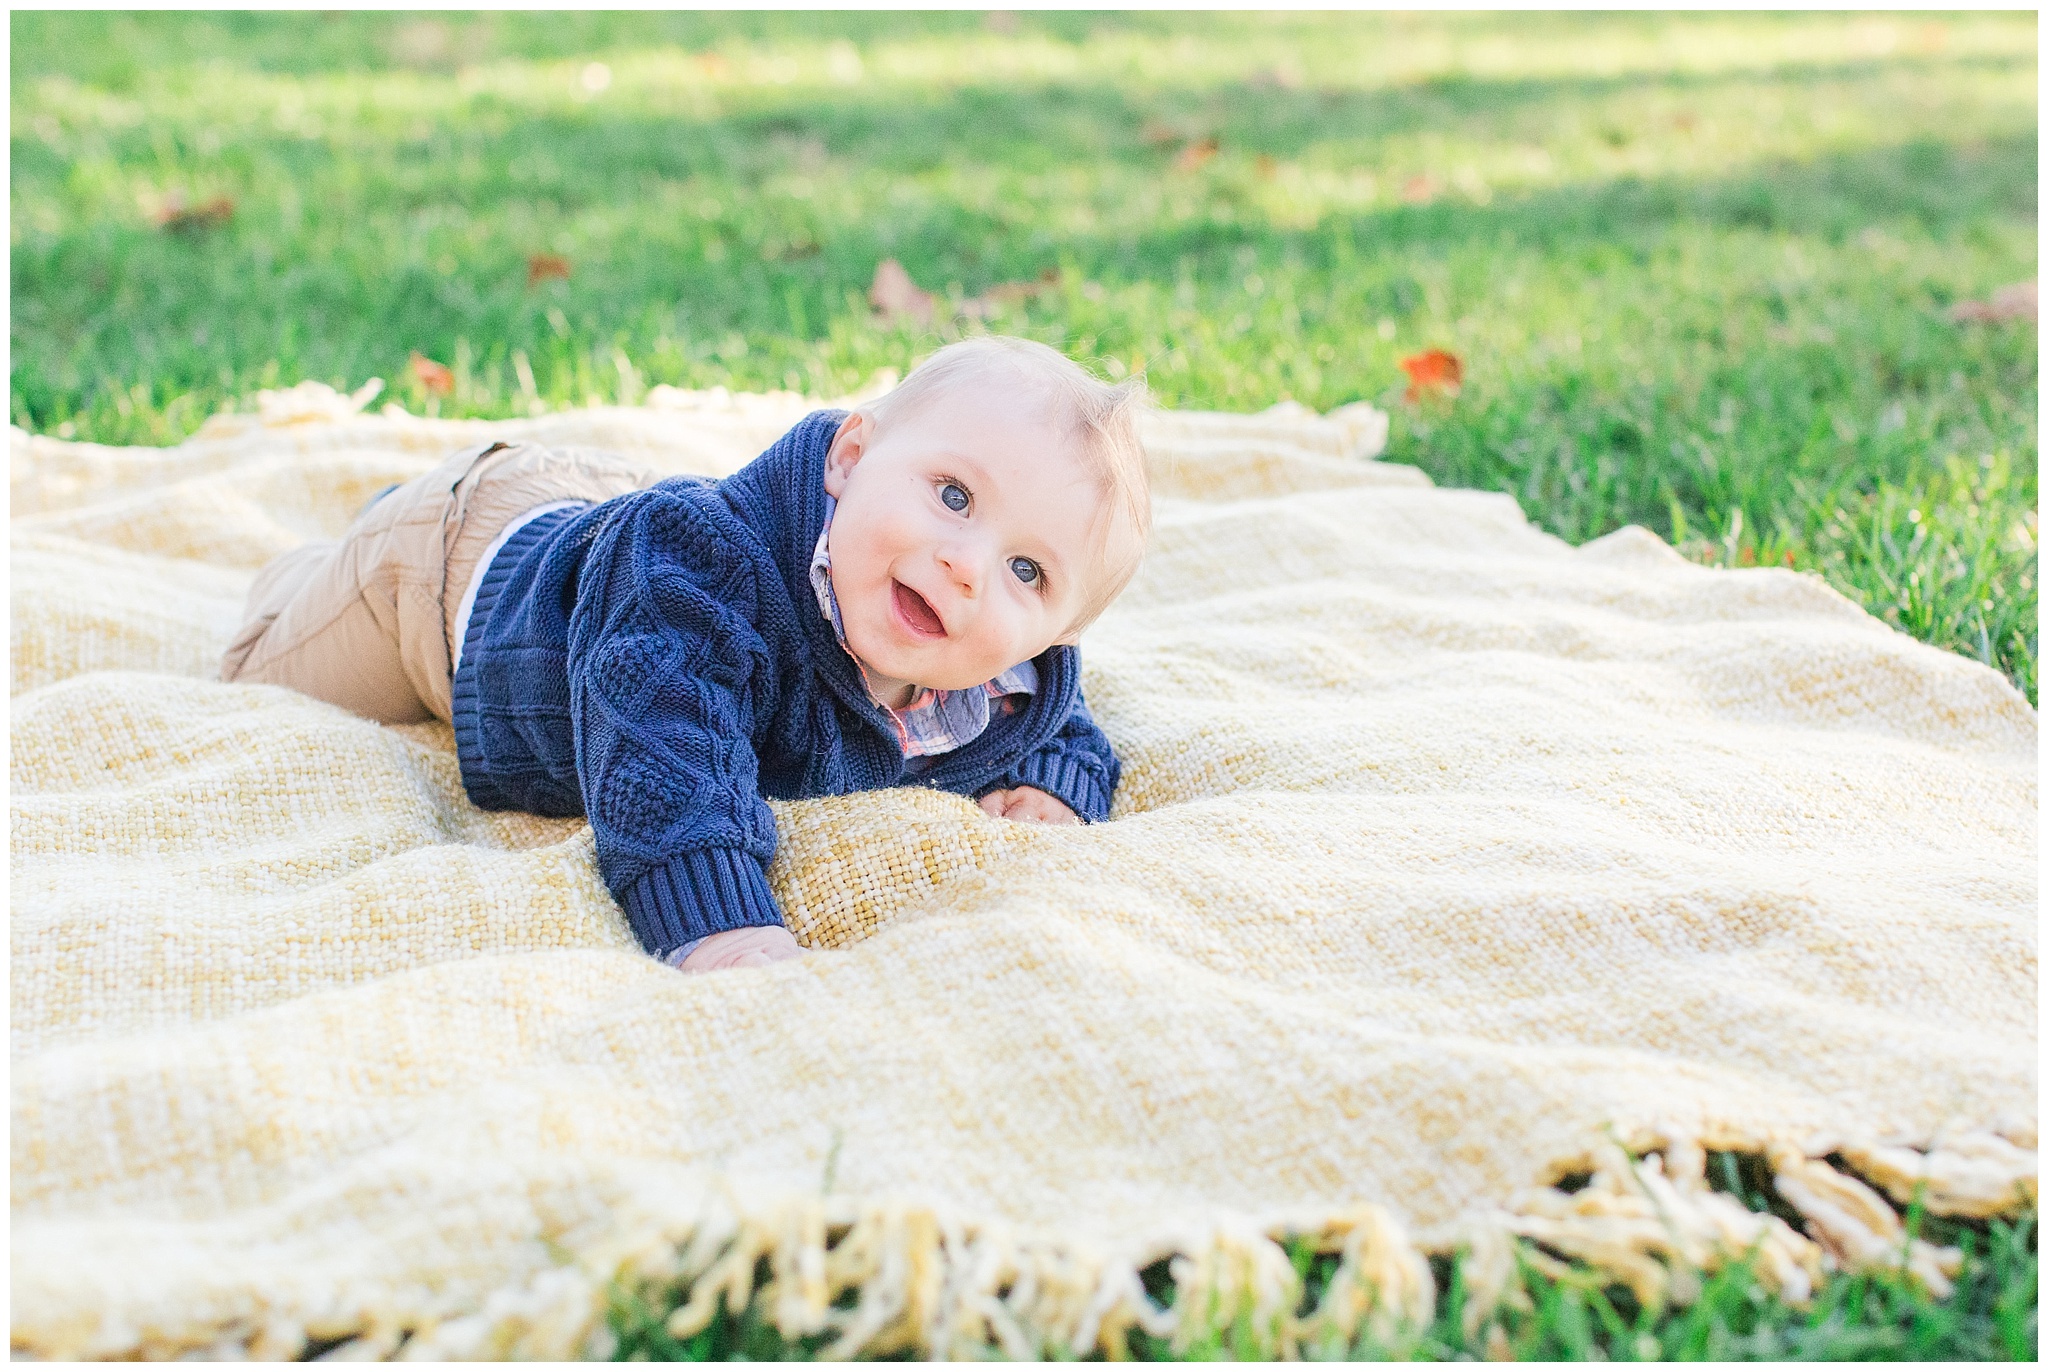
x=855, y=433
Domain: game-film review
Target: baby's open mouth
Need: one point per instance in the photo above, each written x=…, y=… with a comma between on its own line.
x=916, y=612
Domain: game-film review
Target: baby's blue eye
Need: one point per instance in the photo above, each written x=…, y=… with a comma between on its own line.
x=1025, y=570
x=954, y=496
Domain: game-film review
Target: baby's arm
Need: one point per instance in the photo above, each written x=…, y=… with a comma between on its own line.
x=663, y=664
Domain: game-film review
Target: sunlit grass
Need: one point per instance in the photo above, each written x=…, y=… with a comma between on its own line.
x=1551, y=1311
x=1698, y=267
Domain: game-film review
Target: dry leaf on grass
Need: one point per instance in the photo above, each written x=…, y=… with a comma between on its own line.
x=896, y=297
x=546, y=266
x=1011, y=291
x=434, y=378
x=2020, y=300
x=1419, y=190
x=1196, y=155
x=1434, y=372
x=176, y=216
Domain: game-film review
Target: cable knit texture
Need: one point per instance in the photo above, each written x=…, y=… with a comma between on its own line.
x=659, y=664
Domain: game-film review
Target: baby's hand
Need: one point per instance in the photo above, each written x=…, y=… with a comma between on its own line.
x=1030, y=804
x=753, y=947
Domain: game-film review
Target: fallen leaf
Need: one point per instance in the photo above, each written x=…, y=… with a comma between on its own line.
x=897, y=297
x=2020, y=300
x=432, y=376
x=1433, y=372
x=546, y=266
x=1196, y=155
x=1419, y=190
x=1007, y=291
x=712, y=64
x=1158, y=135
x=1685, y=121
x=1266, y=167
x=175, y=216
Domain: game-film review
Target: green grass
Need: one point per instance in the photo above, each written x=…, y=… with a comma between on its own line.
x=1697, y=266
x=1574, y=1314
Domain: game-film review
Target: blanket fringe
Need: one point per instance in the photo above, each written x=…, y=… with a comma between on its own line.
x=1975, y=1174
x=1857, y=1226
x=867, y=1277
x=1654, y=1225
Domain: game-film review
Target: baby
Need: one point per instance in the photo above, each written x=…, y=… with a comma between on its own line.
x=885, y=597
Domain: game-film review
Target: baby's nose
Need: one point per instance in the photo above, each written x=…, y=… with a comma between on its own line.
x=963, y=567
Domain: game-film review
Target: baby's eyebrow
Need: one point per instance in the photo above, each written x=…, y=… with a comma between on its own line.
x=967, y=462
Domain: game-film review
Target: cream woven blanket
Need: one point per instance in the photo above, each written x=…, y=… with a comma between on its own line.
x=1448, y=860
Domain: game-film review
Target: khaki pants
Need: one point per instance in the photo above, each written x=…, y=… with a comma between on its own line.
x=366, y=622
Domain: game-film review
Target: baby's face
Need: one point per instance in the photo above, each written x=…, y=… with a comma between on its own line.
x=962, y=540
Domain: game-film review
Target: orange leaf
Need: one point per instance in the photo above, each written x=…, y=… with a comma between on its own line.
x=896, y=296
x=1266, y=167
x=1432, y=372
x=435, y=378
x=546, y=266
x=1195, y=155
x=1158, y=135
x=178, y=217
x=1024, y=290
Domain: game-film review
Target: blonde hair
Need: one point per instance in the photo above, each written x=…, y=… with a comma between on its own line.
x=1102, y=419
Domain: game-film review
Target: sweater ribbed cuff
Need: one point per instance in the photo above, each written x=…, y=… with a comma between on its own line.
x=698, y=894
x=1064, y=776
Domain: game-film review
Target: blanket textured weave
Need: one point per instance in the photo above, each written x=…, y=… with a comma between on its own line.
x=1448, y=860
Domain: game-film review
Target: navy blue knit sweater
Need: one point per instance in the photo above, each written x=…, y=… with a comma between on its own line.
x=658, y=663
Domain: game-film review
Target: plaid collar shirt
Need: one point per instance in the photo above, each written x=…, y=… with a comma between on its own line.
x=934, y=721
